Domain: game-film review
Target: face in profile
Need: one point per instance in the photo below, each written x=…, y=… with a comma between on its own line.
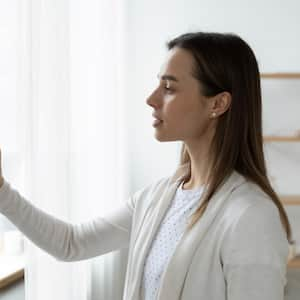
x=178, y=101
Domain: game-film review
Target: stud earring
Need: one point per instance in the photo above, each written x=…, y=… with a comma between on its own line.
x=213, y=114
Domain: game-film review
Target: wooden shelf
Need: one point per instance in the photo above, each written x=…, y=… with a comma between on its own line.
x=280, y=75
x=290, y=199
x=294, y=263
x=277, y=138
x=11, y=278
x=11, y=269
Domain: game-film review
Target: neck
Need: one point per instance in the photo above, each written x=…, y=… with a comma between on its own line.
x=200, y=165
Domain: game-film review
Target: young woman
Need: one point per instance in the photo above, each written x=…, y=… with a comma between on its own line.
x=215, y=229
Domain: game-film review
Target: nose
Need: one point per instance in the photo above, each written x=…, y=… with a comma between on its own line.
x=149, y=100
x=153, y=100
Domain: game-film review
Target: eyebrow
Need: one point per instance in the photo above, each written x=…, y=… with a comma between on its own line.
x=168, y=77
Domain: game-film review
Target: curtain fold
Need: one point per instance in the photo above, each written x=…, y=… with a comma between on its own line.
x=72, y=134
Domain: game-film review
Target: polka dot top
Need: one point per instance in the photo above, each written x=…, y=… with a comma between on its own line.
x=184, y=203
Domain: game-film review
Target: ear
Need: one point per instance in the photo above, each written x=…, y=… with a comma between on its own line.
x=221, y=103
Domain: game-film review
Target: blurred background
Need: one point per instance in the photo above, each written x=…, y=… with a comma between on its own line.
x=75, y=131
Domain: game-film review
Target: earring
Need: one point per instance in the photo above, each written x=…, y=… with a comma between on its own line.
x=213, y=114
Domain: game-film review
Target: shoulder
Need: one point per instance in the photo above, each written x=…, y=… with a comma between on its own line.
x=147, y=195
x=248, y=197
x=254, y=232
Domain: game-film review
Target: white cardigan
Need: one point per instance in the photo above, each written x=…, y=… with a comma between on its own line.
x=182, y=206
x=238, y=250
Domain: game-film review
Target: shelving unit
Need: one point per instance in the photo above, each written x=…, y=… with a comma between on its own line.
x=11, y=269
x=280, y=75
x=290, y=199
x=276, y=138
x=293, y=263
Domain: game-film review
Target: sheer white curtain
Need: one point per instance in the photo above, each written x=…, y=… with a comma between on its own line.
x=71, y=133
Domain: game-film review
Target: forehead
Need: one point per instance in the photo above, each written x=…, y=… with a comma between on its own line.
x=178, y=62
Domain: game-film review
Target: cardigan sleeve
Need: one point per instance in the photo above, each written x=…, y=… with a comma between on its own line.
x=63, y=240
x=255, y=255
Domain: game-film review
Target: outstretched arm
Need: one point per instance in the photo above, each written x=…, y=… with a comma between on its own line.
x=66, y=241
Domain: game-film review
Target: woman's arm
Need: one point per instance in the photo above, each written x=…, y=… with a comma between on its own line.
x=65, y=241
x=255, y=255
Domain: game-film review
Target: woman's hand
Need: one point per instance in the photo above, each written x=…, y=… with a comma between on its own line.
x=1, y=178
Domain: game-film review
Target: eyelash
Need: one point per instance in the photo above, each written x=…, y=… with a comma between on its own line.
x=167, y=88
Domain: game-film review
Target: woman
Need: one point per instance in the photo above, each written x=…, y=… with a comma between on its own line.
x=213, y=230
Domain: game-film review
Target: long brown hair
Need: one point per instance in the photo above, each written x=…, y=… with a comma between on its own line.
x=225, y=62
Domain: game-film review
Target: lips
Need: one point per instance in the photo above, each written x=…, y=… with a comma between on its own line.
x=156, y=117
x=156, y=122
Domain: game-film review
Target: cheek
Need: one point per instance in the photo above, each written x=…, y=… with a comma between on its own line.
x=191, y=114
x=177, y=106
x=183, y=110
x=184, y=120
x=193, y=120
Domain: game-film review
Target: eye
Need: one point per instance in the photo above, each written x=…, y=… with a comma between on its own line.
x=168, y=90
x=167, y=87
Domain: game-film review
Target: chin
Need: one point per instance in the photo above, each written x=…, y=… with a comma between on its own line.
x=162, y=138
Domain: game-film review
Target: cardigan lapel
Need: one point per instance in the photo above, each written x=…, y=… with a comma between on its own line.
x=146, y=234
x=145, y=237
x=173, y=278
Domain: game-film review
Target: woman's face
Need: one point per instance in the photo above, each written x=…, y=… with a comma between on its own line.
x=178, y=102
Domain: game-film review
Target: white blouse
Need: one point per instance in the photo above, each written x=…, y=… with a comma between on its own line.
x=185, y=202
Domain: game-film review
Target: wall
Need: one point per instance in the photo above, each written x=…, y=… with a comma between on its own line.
x=270, y=27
